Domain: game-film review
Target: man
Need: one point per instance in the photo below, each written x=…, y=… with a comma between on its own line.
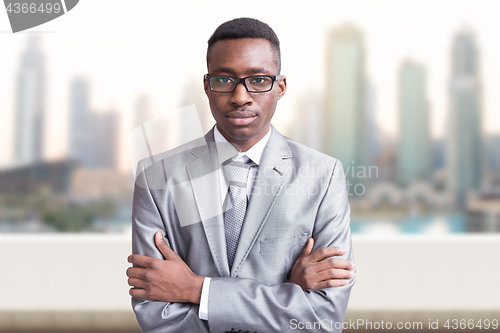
x=256, y=226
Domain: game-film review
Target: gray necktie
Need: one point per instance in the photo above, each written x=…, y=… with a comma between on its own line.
x=235, y=203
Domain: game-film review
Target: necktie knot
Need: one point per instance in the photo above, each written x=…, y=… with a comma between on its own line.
x=237, y=171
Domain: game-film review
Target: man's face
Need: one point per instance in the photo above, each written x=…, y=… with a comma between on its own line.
x=242, y=117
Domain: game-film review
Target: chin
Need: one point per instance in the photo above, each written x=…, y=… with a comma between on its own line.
x=238, y=135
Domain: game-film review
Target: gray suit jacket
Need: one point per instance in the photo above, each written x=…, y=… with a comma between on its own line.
x=298, y=193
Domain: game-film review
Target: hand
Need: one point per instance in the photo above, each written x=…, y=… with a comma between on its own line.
x=310, y=271
x=169, y=280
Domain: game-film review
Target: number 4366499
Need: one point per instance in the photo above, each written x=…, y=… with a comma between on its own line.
x=471, y=324
x=32, y=8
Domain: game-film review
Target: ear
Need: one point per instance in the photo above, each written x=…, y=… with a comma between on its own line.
x=281, y=86
x=205, y=84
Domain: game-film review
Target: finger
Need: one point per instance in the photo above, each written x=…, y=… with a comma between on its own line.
x=139, y=293
x=331, y=284
x=140, y=260
x=163, y=246
x=308, y=248
x=135, y=272
x=138, y=283
x=325, y=252
x=336, y=263
x=329, y=274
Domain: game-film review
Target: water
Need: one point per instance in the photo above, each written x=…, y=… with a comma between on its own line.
x=450, y=224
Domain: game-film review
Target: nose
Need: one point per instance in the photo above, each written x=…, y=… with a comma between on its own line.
x=240, y=96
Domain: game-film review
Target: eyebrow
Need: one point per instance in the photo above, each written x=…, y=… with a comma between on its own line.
x=229, y=70
x=257, y=70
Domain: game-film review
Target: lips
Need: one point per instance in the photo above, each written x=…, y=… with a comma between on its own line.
x=241, y=118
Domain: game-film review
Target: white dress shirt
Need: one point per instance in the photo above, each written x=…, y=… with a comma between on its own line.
x=255, y=154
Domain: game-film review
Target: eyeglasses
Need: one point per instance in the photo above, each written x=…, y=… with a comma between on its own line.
x=253, y=84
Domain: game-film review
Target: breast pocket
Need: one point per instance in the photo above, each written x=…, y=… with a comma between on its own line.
x=279, y=254
x=280, y=244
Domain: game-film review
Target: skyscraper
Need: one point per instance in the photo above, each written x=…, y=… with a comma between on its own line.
x=372, y=137
x=414, y=150
x=464, y=152
x=492, y=144
x=308, y=115
x=105, y=125
x=79, y=135
x=345, y=97
x=93, y=137
x=30, y=105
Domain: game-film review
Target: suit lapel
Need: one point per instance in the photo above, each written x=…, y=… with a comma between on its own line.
x=204, y=178
x=272, y=172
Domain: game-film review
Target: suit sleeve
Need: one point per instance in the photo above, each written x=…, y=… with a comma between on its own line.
x=247, y=304
x=155, y=316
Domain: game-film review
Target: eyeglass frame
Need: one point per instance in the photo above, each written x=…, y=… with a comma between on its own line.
x=242, y=81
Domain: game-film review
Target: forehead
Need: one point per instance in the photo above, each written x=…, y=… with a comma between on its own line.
x=242, y=56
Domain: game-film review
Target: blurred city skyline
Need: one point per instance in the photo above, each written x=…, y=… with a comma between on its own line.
x=136, y=66
x=345, y=103
x=413, y=174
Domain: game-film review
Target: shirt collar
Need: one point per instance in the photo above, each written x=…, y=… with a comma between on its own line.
x=254, y=153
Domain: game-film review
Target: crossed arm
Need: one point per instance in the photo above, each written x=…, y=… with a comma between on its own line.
x=171, y=280
x=166, y=291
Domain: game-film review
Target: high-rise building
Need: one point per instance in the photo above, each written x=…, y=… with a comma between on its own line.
x=464, y=146
x=308, y=115
x=105, y=142
x=492, y=143
x=79, y=136
x=438, y=148
x=345, y=98
x=30, y=105
x=414, y=149
x=93, y=137
x=373, y=144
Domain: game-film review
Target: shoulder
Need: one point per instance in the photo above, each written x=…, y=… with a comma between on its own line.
x=302, y=154
x=155, y=168
x=309, y=166
x=182, y=152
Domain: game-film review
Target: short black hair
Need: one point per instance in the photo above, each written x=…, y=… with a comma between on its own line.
x=246, y=27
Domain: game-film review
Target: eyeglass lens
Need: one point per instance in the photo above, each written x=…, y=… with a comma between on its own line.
x=254, y=83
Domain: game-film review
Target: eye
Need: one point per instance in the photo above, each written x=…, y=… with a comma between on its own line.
x=223, y=80
x=259, y=80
